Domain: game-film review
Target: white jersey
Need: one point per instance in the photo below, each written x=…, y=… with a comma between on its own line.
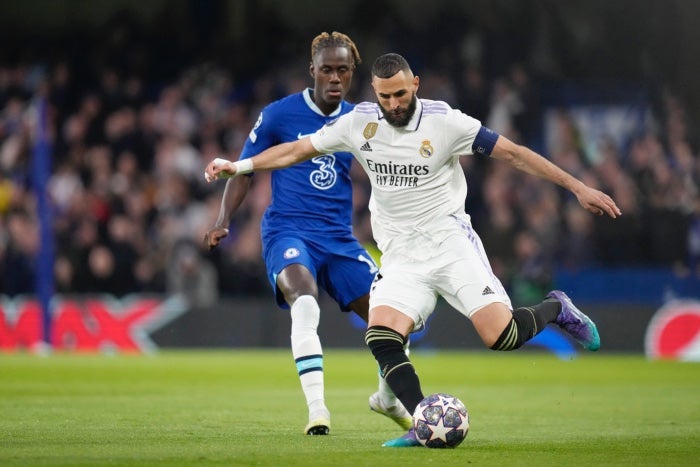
x=417, y=182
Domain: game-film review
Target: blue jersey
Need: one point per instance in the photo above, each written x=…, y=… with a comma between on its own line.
x=315, y=195
x=309, y=220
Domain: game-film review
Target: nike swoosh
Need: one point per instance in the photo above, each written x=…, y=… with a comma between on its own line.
x=300, y=136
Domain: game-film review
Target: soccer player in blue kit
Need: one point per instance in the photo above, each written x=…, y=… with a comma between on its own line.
x=307, y=229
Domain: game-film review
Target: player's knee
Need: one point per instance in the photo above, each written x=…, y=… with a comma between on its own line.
x=510, y=338
x=391, y=318
x=292, y=296
x=305, y=314
x=296, y=281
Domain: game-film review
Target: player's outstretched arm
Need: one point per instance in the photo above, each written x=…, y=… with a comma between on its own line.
x=234, y=194
x=529, y=161
x=276, y=157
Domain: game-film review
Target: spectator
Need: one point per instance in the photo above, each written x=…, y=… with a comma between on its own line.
x=122, y=124
x=194, y=277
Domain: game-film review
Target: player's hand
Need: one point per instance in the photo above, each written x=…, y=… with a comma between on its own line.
x=213, y=237
x=219, y=168
x=598, y=203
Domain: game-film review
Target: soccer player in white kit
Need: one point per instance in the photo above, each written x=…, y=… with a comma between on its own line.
x=410, y=149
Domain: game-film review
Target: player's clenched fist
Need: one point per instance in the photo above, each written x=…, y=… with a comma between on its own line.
x=213, y=237
x=219, y=168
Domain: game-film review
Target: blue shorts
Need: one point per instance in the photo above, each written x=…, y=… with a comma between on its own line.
x=340, y=265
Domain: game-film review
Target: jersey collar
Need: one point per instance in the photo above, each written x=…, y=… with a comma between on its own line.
x=415, y=120
x=312, y=105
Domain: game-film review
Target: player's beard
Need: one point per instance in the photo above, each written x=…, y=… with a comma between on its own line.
x=402, y=118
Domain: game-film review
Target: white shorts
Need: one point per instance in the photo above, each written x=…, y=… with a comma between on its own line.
x=458, y=270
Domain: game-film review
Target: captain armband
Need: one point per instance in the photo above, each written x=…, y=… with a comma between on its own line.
x=485, y=141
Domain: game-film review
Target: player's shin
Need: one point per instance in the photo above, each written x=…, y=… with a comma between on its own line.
x=307, y=352
x=384, y=390
x=526, y=323
x=387, y=346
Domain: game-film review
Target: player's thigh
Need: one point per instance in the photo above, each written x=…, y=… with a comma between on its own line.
x=466, y=280
x=406, y=288
x=281, y=252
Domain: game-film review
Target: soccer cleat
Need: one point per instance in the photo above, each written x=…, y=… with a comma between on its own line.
x=573, y=321
x=408, y=440
x=395, y=412
x=319, y=426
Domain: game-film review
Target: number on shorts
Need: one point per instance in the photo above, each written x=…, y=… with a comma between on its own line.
x=372, y=267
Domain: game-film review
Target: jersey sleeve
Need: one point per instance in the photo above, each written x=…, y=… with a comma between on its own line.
x=467, y=134
x=263, y=134
x=334, y=136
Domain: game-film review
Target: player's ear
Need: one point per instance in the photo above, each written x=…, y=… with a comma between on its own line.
x=416, y=82
x=311, y=69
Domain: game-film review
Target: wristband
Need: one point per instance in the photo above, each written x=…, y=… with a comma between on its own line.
x=243, y=166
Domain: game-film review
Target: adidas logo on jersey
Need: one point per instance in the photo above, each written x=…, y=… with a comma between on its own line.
x=366, y=147
x=487, y=291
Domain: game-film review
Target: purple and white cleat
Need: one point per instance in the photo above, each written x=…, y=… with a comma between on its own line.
x=573, y=321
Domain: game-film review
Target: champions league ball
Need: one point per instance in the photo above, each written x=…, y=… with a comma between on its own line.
x=441, y=421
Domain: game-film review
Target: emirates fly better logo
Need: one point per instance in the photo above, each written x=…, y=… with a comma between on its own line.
x=674, y=332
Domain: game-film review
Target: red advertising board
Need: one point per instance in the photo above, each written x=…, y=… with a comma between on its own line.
x=91, y=324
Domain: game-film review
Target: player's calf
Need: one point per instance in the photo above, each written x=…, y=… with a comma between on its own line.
x=387, y=346
x=525, y=324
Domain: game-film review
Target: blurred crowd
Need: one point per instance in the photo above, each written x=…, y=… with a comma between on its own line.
x=130, y=205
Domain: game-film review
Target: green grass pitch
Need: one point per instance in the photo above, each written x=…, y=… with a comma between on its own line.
x=245, y=407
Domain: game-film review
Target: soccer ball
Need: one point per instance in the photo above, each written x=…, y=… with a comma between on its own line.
x=441, y=421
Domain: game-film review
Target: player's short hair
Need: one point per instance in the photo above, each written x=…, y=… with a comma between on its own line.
x=387, y=65
x=335, y=39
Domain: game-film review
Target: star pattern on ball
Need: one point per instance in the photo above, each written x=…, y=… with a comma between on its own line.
x=439, y=431
x=441, y=420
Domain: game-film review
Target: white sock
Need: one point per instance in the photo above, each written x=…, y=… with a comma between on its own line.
x=307, y=352
x=385, y=393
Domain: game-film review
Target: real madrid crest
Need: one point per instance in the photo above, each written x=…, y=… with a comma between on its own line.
x=370, y=130
x=426, y=150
